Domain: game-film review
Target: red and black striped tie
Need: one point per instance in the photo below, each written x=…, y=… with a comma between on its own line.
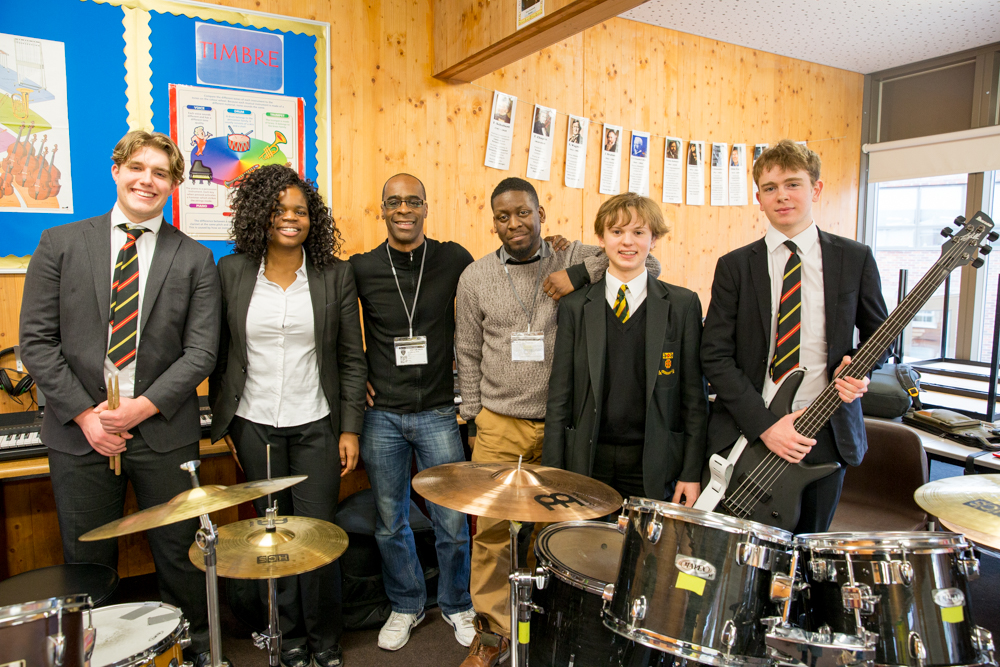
x=125, y=300
x=788, y=332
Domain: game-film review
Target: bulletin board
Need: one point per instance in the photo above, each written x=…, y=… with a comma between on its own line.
x=121, y=58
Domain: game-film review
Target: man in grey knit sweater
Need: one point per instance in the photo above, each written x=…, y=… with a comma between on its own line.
x=505, y=333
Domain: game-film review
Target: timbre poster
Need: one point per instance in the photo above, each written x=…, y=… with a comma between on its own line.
x=34, y=127
x=225, y=135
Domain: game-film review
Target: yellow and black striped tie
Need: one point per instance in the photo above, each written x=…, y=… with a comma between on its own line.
x=788, y=332
x=125, y=300
x=621, y=305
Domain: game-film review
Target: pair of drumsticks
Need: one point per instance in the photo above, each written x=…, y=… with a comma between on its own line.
x=114, y=400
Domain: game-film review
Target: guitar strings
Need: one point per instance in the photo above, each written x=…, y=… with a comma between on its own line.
x=828, y=401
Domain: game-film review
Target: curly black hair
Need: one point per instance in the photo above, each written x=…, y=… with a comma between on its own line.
x=254, y=200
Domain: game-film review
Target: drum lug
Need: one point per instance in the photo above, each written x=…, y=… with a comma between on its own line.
x=57, y=643
x=915, y=646
x=89, y=638
x=969, y=567
x=781, y=587
x=982, y=641
x=858, y=598
x=823, y=570
x=609, y=593
x=622, y=523
x=728, y=636
x=541, y=578
x=638, y=611
x=653, y=531
x=906, y=572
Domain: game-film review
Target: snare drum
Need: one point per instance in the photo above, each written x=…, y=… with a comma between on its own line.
x=140, y=634
x=35, y=634
x=579, y=558
x=696, y=584
x=909, y=589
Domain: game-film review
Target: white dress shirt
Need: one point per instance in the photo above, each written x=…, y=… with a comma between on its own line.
x=282, y=387
x=144, y=247
x=635, y=294
x=812, y=336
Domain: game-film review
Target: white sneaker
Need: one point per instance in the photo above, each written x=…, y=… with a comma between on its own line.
x=396, y=631
x=462, y=622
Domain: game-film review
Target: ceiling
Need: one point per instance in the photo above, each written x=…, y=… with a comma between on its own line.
x=850, y=34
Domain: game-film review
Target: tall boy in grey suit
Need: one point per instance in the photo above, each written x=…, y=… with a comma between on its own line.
x=125, y=291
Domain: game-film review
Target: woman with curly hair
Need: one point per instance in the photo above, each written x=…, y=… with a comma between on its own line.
x=291, y=373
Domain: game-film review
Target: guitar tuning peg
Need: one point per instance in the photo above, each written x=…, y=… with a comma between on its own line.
x=993, y=236
x=977, y=263
x=947, y=232
x=985, y=250
x=960, y=220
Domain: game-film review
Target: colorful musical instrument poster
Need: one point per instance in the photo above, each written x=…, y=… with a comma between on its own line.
x=34, y=127
x=225, y=135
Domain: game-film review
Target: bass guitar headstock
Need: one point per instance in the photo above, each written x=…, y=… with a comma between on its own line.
x=964, y=246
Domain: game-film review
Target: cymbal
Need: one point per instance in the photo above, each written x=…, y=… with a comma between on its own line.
x=972, y=501
x=991, y=541
x=189, y=504
x=504, y=490
x=245, y=550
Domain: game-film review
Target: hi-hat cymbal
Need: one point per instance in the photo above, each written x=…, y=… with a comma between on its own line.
x=245, y=550
x=189, y=504
x=982, y=539
x=972, y=501
x=502, y=490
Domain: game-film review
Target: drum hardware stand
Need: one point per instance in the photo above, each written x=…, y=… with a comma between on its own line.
x=271, y=640
x=57, y=643
x=206, y=538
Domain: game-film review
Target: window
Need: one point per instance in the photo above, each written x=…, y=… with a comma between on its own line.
x=992, y=275
x=909, y=217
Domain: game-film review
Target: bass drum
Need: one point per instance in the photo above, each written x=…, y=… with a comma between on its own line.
x=36, y=634
x=696, y=584
x=579, y=558
x=909, y=589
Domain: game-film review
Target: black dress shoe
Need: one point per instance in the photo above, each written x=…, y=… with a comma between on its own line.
x=333, y=657
x=296, y=657
x=205, y=660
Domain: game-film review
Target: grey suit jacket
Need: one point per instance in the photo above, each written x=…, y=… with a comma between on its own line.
x=64, y=331
x=343, y=369
x=676, y=398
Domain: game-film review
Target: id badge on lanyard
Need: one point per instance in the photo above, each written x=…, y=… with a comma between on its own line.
x=527, y=346
x=411, y=351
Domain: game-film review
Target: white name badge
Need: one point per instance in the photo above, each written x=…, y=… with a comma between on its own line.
x=527, y=346
x=411, y=351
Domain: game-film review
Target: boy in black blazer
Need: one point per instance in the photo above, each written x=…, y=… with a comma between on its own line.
x=745, y=353
x=627, y=341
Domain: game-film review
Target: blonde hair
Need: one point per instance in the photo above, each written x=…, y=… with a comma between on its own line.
x=615, y=212
x=137, y=139
x=787, y=156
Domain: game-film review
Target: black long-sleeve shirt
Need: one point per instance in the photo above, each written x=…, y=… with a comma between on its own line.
x=409, y=389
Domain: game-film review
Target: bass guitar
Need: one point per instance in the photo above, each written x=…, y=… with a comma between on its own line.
x=748, y=480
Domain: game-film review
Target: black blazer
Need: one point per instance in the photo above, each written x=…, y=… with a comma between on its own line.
x=64, y=331
x=676, y=402
x=342, y=366
x=738, y=334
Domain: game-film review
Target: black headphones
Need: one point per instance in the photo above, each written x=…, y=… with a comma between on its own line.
x=24, y=385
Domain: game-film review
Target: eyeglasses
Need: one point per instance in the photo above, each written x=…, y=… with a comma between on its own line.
x=393, y=203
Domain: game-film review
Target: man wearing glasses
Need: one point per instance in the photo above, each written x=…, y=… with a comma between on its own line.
x=407, y=289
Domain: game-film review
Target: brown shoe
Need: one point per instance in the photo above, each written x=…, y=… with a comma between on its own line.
x=487, y=650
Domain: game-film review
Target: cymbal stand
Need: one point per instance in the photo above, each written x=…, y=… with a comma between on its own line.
x=271, y=640
x=206, y=538
x=521, y=606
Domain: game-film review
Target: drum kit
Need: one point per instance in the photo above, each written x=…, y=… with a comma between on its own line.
x=671, y=583
x=65, y=630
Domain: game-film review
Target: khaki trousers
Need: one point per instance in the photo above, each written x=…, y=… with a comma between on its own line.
x=499, y=438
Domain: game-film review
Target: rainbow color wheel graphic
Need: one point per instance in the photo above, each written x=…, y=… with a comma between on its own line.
x=228, y=165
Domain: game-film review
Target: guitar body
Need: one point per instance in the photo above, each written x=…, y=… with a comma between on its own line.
x=776, y=500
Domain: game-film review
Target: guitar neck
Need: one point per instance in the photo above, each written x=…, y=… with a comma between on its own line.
x=819, y=412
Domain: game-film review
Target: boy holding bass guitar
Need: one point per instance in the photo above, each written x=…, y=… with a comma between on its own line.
x=789, y=301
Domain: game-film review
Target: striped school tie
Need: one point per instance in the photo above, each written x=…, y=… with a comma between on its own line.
x=125, y=300
x=788, y=332
x=621, y=305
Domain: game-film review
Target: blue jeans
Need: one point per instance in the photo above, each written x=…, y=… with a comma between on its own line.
x=388, y=444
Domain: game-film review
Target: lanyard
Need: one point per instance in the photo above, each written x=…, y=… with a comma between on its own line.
x=409, y=313
x=538, y=281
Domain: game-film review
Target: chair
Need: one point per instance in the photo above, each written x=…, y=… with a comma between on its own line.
x=878, y=494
